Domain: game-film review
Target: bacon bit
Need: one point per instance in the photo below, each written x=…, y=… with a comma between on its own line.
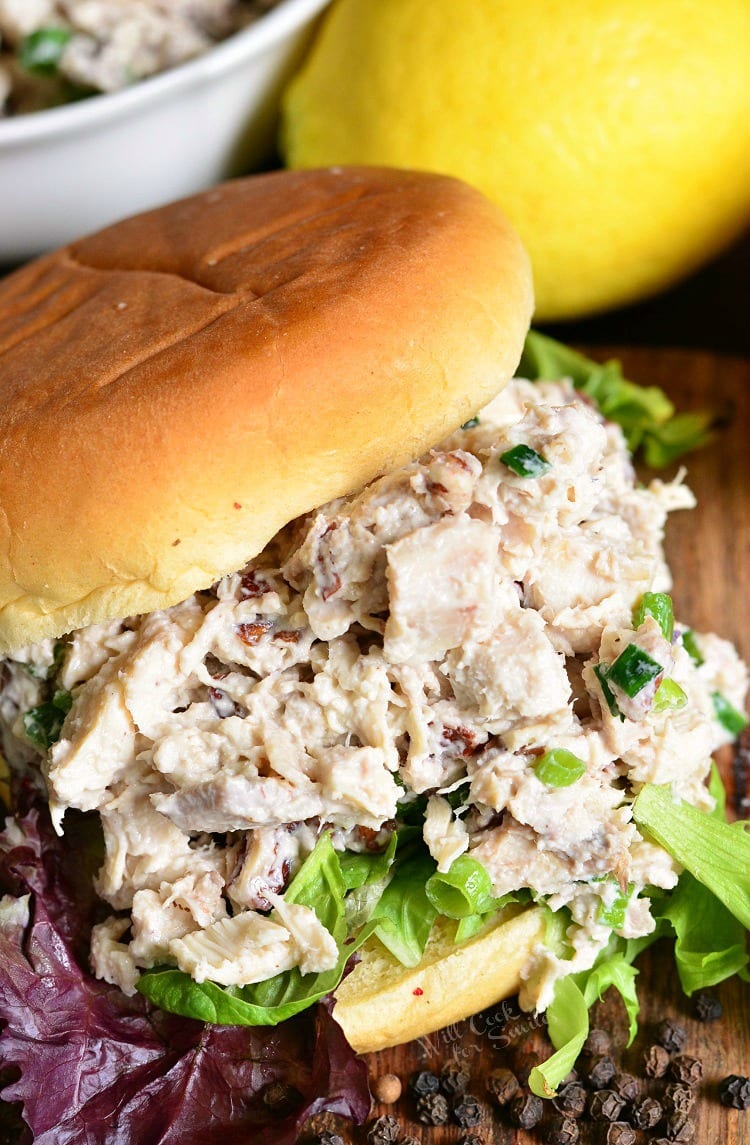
x=252, y=585
x=368, y=836
x=250, y=634
x=460, y=734
x=436, y=487
x=288, y=635
x=418, y=992
x=236, y=505
x=459, y=461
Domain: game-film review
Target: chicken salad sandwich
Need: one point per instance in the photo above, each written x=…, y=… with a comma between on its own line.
x=360, y=654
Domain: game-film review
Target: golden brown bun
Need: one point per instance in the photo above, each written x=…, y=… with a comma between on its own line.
x=177, y=387
x=382, y=1003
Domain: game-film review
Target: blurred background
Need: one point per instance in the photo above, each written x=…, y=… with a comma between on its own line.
x=614, y=133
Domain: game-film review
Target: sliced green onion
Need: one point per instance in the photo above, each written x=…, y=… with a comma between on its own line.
x=658, y=605
x=463, y=890
x=43, y=723
x=600, y=672
x=614, y=914
x=40, y=51
x=633, y=670
x=669, y=696
x=690, y=645
x=730, y=719
x=559, y=768
x=471, y=423
x=525, y=461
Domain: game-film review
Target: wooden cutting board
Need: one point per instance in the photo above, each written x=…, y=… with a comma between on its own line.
x=709, y=552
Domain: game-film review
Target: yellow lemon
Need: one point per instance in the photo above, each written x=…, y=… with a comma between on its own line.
x=614, y=133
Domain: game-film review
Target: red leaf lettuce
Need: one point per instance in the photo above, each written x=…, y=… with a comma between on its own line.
x=98, y=1068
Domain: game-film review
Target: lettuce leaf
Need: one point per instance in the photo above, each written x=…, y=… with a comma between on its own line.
x=710, y=944
x=319, y=884
x=710, y=941
x=568, y=1013
x=645, y=413
x=404, y=916
x=96, y=1065
x=568, y=1027
x=716, y=853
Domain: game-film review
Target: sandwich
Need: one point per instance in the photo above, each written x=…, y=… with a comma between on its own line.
x=358, y=655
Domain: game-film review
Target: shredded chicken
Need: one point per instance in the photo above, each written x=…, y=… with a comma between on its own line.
x=105, y=45
x=438, y=631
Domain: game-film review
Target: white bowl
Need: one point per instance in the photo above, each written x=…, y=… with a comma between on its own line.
x=72, y=169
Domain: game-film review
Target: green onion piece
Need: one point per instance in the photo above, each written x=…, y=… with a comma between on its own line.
x=600, y=672
x=658, y=605
x=669, y=697
x=473, y=421
x=690, y=645
x=40, y=51
x=43, y=723
x=525, y=461
x=463, y=890
x=559, y=768
x=614, y=914
x=730, y=719
x=633, y=670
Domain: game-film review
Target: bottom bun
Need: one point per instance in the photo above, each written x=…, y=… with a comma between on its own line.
x=382, y=1003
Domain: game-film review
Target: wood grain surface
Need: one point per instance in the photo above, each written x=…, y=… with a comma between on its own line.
x=709, y=552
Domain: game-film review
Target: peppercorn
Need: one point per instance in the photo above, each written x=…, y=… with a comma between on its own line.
x=327, y=1137
x=734, y=1091
x=599, y=1072
x=655, y=1061
x=628, y=1087
x=467, y=1111
x=671, y=1035
x=432, y=1109
x=686, y=1069
x=706, y=1007
x=387, y=1088
x=620, y=1133
x=679, y=1098
x=646, y=1114
x=571, y=1099
x=678, y=1128
x=453, y=1079
x=605, y=1105
x=424, y=1082
x=562, y=1130
x=502, y=1085
x=384, y=1130
x=526, y=1111
x=597, y=1043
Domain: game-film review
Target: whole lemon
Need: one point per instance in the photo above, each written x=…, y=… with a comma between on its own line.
x=614, y=133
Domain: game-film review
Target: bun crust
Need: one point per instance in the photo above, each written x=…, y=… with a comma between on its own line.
x=382, y=1003
x=177, y=387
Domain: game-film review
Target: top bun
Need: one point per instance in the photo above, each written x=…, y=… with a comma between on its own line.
x=179, y=386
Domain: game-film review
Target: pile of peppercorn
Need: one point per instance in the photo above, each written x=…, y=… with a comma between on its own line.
x=597, y=1102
